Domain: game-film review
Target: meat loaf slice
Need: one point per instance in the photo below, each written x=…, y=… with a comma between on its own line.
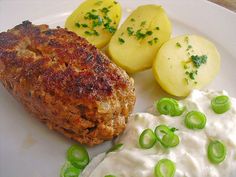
x=66, y=82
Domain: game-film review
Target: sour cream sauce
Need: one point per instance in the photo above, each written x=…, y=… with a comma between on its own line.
x=190, y=156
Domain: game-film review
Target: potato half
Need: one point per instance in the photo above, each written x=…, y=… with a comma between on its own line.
x=95, y=20
x=185, y=63
x=135, y=44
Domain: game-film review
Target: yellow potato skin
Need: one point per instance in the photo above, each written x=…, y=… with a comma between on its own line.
x=78, y=16
x=136, y=55
x=169, y=65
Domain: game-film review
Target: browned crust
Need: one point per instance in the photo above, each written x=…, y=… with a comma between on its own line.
x=66, y=82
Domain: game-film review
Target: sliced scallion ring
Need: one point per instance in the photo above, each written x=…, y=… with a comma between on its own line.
x=110, y=176
x=115, y=148
x=169, y=106
x=170, y=142
x=220, y=104
x=69, y=170
x=195, y=120
x=147, y=139
x=78, y=156
x=162, y=130
x=166, y=136
x=216, y=152
x=165, y=168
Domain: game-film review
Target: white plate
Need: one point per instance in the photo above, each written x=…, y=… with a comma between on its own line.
x=28, y=148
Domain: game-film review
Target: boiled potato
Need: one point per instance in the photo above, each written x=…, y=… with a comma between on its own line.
x=135, y=44
x=95, y=20
x=185, y=63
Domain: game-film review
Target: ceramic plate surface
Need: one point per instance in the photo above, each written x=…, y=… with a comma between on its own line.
x=28, y=148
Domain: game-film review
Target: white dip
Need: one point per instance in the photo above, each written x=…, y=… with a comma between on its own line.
x=190, y=156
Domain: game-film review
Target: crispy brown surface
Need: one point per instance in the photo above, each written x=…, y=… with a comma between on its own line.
x=66, y=82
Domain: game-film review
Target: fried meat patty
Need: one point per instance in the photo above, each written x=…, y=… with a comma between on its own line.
x=66, y=82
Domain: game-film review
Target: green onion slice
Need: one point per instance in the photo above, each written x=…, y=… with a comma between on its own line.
x=169, y=106
x=147, y=139
x=110, y=176
x=115, y=148
x=216, y=152
x=69, y=170
x=170, y=142
x=166, y=136
x=220, y=104
x=165, y=168
x=195, y=120
x=78, y=156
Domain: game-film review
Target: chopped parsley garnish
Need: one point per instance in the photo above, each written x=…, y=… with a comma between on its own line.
x=84, y=25
x=132, y=19
x=157, y=28
x=130, y=31
x=143, y=23
x=109, y=28
x=105, y=10
x=149, y=33
x=140, y=35
x=191, y=74
x=97, y=20
x=108, y=20
x=77, y=24
x=90, y=16
x=178, y=44
x=189, y=47
x=153, y=41
x=115, y=2
x=142, y=32
x=91, y=32
x=150, y=42
x=121, y=40
x=198, y=60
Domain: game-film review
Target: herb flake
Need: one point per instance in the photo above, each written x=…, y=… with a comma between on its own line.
x=91, y=33
x=153, y=41
x=132, y=19
x=121, y=40
x=178, y=45
x=84, y=25
x=143, y=23
x=130, y=31
x=198, y=60
x=189, y=47
x=140, y=35
x=77, y=24
x=149, y=33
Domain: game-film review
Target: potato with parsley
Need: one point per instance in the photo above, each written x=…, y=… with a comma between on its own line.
x=184, y=63
x=95, y=20
x=135, y=44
